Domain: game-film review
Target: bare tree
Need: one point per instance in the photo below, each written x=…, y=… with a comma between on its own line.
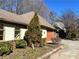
x=8, y=5
x=69, y=19
x=52, y=16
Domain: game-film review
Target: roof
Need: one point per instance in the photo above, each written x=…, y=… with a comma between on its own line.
x=22, y=19
x=30, y=15
x=60, y=25
x=8, y=16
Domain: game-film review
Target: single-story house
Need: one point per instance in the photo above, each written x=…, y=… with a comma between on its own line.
x=60, y=28
x=13, y=26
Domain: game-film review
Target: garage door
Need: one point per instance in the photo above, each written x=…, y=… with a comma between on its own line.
x=9, y=33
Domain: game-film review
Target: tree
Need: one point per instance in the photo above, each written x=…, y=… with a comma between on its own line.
x=52, y=16
x=33, y=34
x=10, y=5
x=69, y=19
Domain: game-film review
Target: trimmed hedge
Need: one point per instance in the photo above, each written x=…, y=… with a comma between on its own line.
x=21, y=44
x=5, y=48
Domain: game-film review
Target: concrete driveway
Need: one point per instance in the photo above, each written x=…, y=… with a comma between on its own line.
x=70, y=50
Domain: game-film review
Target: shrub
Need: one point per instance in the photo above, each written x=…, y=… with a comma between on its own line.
x=33, y=34
x=21, y=44
x=5, y=48
x=43, y=41
x=71, y=35
x=56, y=40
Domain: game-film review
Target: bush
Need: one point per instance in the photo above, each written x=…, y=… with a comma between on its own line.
x=56, y=40
x=5, y=48
x=21, y=44
x=34, y=33
x=71, y=35
x=43, y=41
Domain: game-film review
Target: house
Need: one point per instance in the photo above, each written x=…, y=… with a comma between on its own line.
x=60, y=28
x=13, y=26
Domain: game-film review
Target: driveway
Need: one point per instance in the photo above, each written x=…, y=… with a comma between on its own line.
x=70, y=50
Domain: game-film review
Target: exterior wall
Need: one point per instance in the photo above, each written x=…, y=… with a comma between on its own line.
x=9, y=33
x=49, y=36
x=9, y=30
x=44, y=33
x=55, y=35
x=22, y=33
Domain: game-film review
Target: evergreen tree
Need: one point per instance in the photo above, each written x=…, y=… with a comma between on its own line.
x=33, y=34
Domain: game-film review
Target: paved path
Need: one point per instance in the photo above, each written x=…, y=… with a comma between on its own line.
x=70, y=50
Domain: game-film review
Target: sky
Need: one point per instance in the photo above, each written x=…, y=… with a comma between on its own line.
x=59, y=6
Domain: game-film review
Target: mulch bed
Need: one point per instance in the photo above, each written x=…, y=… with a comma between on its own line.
x=29, y=53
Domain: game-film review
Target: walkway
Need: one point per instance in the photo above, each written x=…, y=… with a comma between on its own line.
x=70, y=50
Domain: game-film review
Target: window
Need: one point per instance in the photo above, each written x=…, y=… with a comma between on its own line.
x=17, y=33
x=1, y=32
